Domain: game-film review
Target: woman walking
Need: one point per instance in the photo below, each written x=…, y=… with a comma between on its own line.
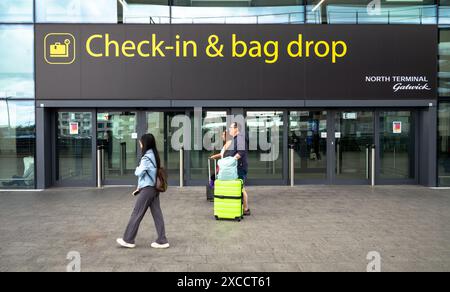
x=147, y=196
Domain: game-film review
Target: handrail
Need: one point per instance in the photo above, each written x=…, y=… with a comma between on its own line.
x=390, y=13
x=289, y=15
x=386, y=15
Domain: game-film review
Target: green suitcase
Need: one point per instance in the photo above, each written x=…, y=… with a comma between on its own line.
x=228, y=200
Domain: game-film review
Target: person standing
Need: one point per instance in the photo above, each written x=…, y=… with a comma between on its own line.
x=148, y=196
x=226, y=145
x=239, y=150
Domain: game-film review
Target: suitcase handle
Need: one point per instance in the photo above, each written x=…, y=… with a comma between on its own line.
x=209, y=168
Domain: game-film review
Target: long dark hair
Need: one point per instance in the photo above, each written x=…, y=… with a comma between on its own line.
x=149, y=143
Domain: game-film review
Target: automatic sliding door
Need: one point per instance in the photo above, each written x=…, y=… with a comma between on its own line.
x=265, y=130
x=159, y=124
x=74, y=150
x=354, y=135
x=214, y=123
x=308, y=137
x=117, y=132
x=397, y=146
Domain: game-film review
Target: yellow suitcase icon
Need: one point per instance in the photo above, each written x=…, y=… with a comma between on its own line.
x=58, y=50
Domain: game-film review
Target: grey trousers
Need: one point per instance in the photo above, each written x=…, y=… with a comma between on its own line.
x=147, y=198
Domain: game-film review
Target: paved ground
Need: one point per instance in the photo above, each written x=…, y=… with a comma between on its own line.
x=317, y=228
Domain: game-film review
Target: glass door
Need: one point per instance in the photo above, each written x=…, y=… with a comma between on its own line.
x=265, y=130
x=397, y=146
x=117, y=133
x=353, y=138
x=75, y=152
x=206, y=142
x=159, y=124
x=308, y=139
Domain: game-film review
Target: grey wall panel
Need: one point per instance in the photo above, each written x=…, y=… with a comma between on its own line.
x=43, y=148
x=427, y=147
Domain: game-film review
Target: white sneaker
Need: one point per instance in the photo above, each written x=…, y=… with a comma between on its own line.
x=122, y=243
x=160, y=246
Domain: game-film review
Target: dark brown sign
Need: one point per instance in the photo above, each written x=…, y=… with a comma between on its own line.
x=236, y=62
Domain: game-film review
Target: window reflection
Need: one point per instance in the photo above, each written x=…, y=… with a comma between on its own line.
x=444, y=144
x=215, y=12
x=16, y=65
x=78, y=11
x=444, y=63
x=17, y=144
x=387, y=15
x=145, y=13
x=211, y=142
x=397, y=141
x=239, y=15
x=16, y=11
x=74, y=146
x=265, y=133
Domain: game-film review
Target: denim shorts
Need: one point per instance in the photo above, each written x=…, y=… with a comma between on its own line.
x=242, y=174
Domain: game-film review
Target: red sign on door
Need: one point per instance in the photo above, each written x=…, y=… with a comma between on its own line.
x=74, y=129
x=397, y=127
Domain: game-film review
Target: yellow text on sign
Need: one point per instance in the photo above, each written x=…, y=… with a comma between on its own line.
x=295, y=49
x=106, y=47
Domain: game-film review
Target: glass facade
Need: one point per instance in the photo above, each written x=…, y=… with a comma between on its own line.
x=16, y=11
x=369, y=12
x=76, y=11
x=444, y=12
x=444, y=145
x=17, y=115
x=17, y=65
x=17, y=85
x=17, y=144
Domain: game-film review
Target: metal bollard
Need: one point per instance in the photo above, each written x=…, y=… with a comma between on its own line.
x=367, y=162
x=291, y=166
x=338, y=158
x=181, y=167
x=100, y=170
x=123, y=158
x=373, y=165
